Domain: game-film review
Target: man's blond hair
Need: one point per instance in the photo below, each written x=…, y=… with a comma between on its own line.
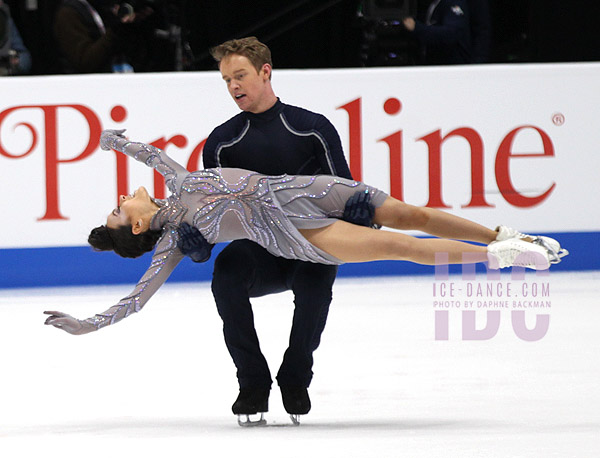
x=256, y=52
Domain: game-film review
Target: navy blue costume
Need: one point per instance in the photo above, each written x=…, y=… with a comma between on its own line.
x=284, y=139
x=445, y=36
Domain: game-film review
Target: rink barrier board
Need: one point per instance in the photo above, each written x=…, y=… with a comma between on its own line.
x=78, y=266
x=464, y=139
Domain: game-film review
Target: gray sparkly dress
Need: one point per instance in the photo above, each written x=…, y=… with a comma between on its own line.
x=229, y=204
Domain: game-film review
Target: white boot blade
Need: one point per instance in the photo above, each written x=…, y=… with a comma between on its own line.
x=246, y=421
x=554, y=255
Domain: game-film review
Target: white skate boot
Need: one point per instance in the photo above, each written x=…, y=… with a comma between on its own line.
x=517, y=252
x=555, y=251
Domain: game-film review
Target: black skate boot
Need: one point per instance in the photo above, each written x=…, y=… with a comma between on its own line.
x=251, y=401
x=296, y=402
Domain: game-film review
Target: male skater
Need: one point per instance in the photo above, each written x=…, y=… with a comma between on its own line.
x=273, y=138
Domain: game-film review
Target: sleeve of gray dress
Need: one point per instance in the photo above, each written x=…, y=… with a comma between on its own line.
x=166, y=255
x=165, y=259
x=173, y=172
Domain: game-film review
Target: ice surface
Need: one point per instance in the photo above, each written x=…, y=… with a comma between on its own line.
x=161, y=382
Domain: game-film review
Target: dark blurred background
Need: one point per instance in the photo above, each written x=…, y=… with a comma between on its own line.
x=331, y=33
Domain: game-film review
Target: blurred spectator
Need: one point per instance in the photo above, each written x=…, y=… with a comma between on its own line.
x=562, y=31
x=481, y=31
x=98, y=36
x=445, y=33
x=15, y=58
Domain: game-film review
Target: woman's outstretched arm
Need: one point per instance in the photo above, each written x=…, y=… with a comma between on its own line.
x=165, y=259
x=173, y=172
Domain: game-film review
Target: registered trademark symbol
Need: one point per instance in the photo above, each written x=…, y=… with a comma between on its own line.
x=558, y=119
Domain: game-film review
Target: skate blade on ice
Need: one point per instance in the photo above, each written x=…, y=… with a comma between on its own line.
x=246, y=421
x=295, y=419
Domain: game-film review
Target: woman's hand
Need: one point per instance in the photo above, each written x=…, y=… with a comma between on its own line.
x=68, y=323
x=107, y=138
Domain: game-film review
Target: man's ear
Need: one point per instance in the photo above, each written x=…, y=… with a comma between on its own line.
x=136, y=228
x=267, y=69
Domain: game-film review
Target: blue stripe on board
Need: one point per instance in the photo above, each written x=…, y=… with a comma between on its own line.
x=70, y=266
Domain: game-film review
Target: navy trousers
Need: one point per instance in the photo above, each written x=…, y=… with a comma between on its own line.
x=244, y=270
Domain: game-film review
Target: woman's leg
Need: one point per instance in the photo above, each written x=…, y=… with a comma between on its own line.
x=399, y=215
x=352, y=243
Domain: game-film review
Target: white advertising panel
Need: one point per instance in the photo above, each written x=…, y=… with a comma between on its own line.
x=515, y=145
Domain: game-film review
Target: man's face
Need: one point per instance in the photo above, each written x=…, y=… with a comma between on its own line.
x=248, y=87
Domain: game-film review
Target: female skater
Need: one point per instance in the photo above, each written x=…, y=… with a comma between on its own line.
x=291, y=216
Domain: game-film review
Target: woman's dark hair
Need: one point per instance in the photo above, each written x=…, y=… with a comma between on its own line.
x=122, y=241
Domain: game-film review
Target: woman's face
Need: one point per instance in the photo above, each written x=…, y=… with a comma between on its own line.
x=130, y=208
